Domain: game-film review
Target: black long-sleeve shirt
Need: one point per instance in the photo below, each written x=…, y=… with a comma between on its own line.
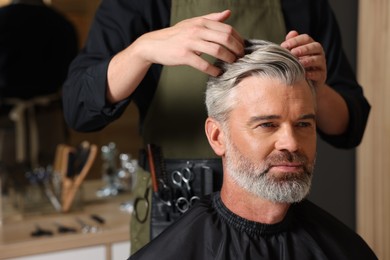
x=120, y=22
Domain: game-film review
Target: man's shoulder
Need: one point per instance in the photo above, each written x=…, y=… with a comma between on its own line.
x=311, y=214
x=330, y=232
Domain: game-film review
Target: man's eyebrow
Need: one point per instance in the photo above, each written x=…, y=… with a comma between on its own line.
x=255, y=119
x=308, y=116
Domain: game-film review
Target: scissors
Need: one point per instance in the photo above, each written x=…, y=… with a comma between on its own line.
x=141, y=207
x=183, y=177
x=182, y=180
x=165, y=193
x=182, y=204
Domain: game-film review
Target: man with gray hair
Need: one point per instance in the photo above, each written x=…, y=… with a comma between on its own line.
x=262, y=123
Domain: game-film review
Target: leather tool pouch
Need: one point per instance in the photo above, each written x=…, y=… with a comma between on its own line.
x=168, y=203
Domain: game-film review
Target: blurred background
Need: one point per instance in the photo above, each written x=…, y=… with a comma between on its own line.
x=350, y=184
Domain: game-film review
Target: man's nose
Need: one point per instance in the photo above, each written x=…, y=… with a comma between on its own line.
x=287, y=139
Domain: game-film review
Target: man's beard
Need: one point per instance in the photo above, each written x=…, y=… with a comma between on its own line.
x=257, y=179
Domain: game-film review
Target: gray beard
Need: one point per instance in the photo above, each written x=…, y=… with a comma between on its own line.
x=257, y=179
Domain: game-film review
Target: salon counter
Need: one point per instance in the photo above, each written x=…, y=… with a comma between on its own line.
x=109, y=243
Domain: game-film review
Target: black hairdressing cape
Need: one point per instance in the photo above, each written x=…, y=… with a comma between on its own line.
x=210, y=231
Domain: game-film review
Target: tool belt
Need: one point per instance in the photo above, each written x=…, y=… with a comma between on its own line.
x=177, y=184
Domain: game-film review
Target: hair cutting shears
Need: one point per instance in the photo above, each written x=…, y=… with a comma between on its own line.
x=183, y=204
x=183, y=178
x=141, y=207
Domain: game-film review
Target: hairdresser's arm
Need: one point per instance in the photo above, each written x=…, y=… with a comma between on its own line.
x=181, y=44
x=332, y=113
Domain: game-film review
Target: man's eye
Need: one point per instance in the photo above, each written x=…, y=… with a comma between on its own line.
x=267, y=125
x=304, y=124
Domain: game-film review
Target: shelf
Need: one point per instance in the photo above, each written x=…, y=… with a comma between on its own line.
x=16, y=239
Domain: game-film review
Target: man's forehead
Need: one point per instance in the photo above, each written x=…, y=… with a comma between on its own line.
x=269, y=96
x=256, y=85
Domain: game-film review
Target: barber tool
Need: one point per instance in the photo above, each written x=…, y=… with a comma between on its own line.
x=126, y=174
x=165, y=193
x=49, y=179
x=127, y=206
x=85, y=228
x=141, y=207
x=160, y=165
x=206, y=180
x=152, y=168
x=161, y=190
x=98, y=219
x=183, y=204
x=52, y=197
x=112, y=185
x=39, y=232
x=42, y=177
x=58, y=168
x=109, y=154
x=64, y=229
x=78, y=163
x=181, y=179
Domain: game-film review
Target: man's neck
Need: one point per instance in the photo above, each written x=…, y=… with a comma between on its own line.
x=251, y=207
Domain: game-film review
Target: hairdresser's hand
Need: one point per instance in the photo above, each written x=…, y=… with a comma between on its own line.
x=311, y=55
x=332, y=113
x=183, y=43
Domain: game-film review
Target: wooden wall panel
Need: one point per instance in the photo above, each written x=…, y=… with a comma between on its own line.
x=373, y=157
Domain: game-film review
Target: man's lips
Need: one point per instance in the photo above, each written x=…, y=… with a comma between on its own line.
x=287, y=167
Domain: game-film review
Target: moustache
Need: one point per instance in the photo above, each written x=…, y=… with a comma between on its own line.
x=284, y=158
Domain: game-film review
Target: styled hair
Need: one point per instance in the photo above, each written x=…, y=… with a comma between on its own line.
x=262, y=58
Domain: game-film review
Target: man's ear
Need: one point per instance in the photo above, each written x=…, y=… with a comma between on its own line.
x=215, y=135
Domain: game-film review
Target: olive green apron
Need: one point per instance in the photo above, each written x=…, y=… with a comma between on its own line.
x=175, y=119
x=139, y=232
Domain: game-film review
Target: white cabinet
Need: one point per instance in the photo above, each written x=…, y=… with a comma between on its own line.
x=96, y=253
x=110, y=243
x=119, y=251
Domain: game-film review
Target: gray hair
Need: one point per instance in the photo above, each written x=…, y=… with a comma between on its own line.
x=262, y=58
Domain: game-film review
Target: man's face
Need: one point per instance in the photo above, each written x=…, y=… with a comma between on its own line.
x=271, y=139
